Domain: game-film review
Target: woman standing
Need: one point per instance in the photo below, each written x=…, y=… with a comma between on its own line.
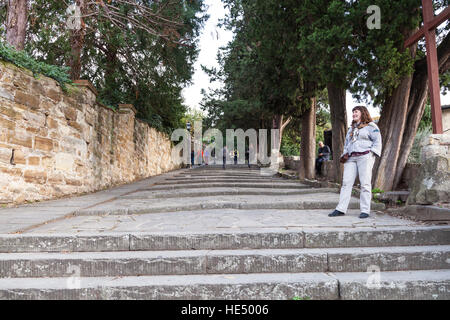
x=362, y=143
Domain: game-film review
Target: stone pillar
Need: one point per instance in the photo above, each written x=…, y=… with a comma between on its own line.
x=86, y=84
x=127, y=108
x=432, y=185
x=125, y=143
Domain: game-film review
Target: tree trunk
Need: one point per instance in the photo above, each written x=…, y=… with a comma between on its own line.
x=77, y=44
x=277, y=123
x=416, y=107
x=338, y=110
x=416, y=104
x=16, y=22
x=308, y=143
x=392, y=125
x=400, y=119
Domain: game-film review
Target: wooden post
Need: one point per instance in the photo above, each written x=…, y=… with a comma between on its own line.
x=430, y=23
x=433, y=68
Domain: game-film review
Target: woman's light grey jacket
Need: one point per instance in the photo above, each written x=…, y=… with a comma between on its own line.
x=367, y=138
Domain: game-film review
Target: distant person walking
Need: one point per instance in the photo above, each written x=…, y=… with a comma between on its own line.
x=224, y=150
x=324, y=155
x=362, y=143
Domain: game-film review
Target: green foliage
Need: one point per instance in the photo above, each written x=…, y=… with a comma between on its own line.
x=376, y=190
x=259, y=81
x=22, y=59
x=290, y=145
x=301, y=298
x=126, y=65
x=425, y=123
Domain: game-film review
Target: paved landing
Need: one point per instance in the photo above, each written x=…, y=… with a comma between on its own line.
x=201, y=199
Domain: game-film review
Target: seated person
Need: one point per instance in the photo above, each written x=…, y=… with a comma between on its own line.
x=324, y=155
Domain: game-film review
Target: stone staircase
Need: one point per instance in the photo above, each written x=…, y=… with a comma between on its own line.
x=208, y=233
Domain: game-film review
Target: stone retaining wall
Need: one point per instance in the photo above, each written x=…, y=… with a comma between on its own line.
x=54, y=144
x=432, y=184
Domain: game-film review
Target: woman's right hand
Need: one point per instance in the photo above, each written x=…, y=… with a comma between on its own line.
x=344, y=158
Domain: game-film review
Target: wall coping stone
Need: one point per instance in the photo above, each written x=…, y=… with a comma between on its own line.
x=86, y=83
x=126, y=107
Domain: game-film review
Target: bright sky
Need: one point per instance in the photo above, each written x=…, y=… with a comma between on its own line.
x=211, y=39
x=214, y=37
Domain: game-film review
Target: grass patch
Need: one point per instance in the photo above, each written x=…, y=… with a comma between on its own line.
x=302, y=298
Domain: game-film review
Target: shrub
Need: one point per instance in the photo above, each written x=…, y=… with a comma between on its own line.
x=22, y=59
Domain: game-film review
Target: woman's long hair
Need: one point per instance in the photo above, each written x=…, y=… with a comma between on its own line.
x=365, y=119
x=365, y=116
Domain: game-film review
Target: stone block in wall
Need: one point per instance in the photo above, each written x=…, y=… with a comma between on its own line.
x=55, y=178
x=48, y=162
x=34, y=161
x=32, y=130
x=53, y=94
x=43, y=144
x=37, y=88
x=64, y=161
x=4, y=123
x=89, y=117
x=10, y=112
x=13, y=171
x=5, y=155
x=52, y=123
x=36, y=119
x=70, y=113
x=32, y=176
x=20, y=138
x=73, y=181
x=4, y=93
x=21, y=82
x=20, y=156
x=74, y=125
x=432, y=185
x=29, y=100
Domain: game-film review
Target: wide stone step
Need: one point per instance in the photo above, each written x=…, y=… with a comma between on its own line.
x=221, y=179
x=262, y=239
x=138, y=263
x=222, y=174
x=159, y=205
x=203, y=185
x=211, y=192
x=400, y=285
x=406, y=285
x=317, y=200
x=229, y=166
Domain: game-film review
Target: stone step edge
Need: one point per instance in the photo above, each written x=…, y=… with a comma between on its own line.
x=238, y=192
x=297, y=205
x=430, y=284
x=269, y=239
x=225, y=185
x=220, y=180
x=12, y=265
